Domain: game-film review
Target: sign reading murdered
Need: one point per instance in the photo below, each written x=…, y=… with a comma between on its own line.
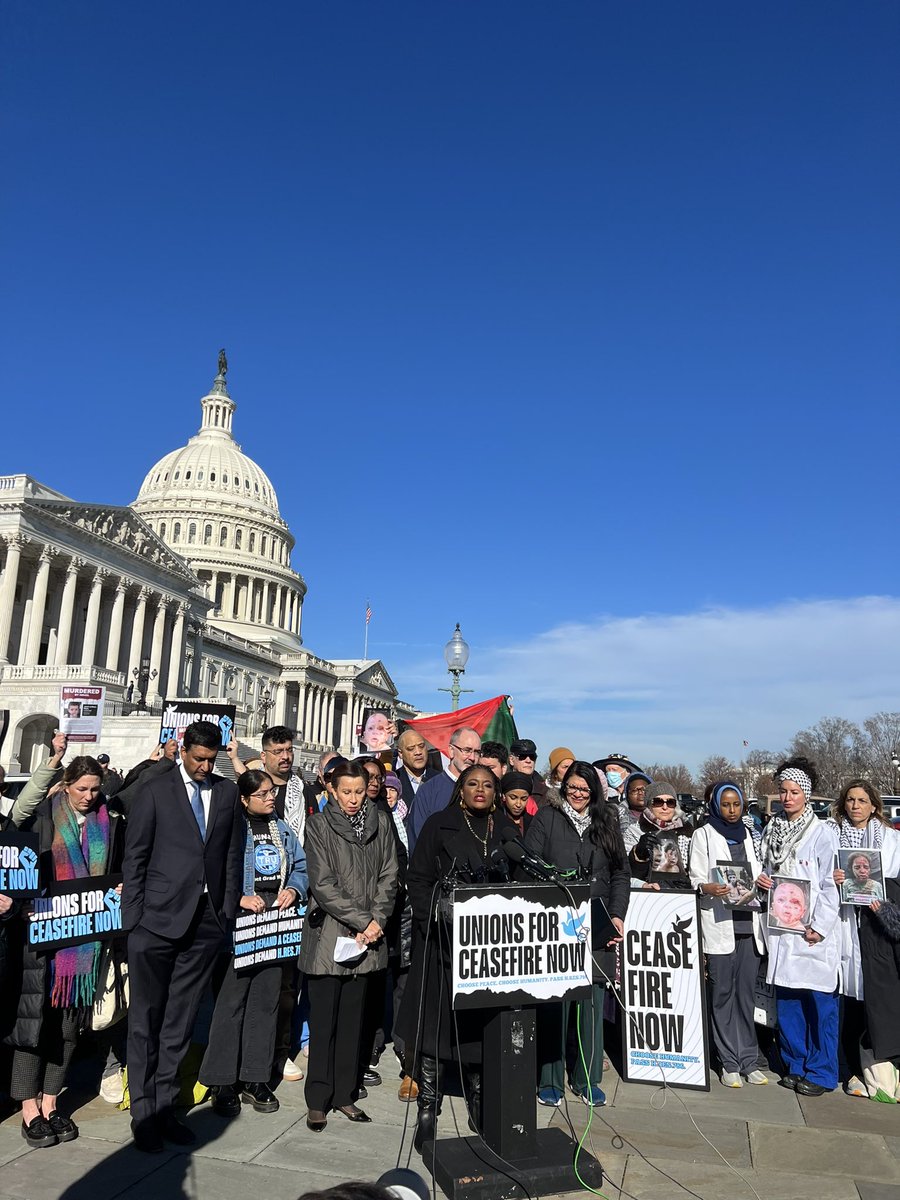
x=664, y=1024
x=518, y=944
x=76, y=911
x=178, y=714
x=268, y=936
x=19, y=863
x=81, y=712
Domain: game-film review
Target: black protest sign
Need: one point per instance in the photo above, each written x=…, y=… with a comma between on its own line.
x=267, y=937
x=74, y=912
x=664, y=1024
x=19, y=863
x=178, y=714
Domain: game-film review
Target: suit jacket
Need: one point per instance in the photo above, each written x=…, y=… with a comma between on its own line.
x=167, y=862
x=407, y=795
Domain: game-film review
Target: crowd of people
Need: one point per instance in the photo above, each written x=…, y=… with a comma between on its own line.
x=363, y=849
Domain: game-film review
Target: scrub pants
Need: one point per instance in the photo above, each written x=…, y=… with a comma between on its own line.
x=808, y=1034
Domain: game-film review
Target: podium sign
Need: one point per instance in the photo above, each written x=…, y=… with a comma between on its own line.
x=520, y=944
x=664, y=1024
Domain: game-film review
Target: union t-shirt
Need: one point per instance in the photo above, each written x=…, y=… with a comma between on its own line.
x=266, y=859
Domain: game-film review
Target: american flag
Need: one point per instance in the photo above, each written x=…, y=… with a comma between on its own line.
x=746, y=743
x=368, y=614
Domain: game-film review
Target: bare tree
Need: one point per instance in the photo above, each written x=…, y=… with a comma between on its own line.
x=837, y=747
x=715, y=769
x=677, y=774
x=882, y=742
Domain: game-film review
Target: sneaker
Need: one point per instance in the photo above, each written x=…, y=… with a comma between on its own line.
x=290, y=1072
x=732, y=1079
x=593, y=1097
x=112, y=1087
x=550, y=1097
x=756, y=1077
x=855, y=1087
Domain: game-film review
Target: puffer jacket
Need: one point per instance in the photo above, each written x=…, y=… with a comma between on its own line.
x=553, y=837
x=33, y=966
x=351, y=883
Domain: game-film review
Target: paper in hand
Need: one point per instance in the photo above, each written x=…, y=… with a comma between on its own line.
x=348, y=950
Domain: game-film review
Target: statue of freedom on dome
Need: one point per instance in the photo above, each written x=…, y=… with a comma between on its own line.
x=223, y=363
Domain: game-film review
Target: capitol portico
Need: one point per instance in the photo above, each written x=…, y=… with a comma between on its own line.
x=188, y=592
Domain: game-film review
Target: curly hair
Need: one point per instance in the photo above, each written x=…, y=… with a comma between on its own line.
x=800, y=763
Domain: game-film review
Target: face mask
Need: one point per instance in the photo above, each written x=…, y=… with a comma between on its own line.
x=614, y=778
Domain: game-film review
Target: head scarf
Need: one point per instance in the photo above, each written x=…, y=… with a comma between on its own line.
x=782, y=837
x=733, y=832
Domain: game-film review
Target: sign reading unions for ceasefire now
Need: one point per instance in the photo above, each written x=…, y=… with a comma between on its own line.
x=19, y=873
x=519, y=944
x=77, y=911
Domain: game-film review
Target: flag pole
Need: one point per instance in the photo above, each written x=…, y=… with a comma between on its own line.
x=368, y=614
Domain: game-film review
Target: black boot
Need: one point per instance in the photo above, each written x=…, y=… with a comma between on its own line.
x=472, y=1088
x=429, y=1101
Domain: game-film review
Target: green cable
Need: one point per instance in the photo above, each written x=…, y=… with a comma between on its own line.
x=587, y=1129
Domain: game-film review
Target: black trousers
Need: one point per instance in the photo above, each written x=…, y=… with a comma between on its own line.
x=372, y=1021
x=168, y=978
x=335, y=1020
x=242, y=1035
x=43, y=1068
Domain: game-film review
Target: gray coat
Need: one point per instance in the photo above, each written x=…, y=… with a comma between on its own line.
x=351, y=883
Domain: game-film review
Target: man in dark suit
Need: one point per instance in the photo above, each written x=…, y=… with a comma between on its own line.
x=184, y=853
x=415, y=769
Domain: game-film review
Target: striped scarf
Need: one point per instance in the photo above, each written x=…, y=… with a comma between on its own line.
x=78, y=853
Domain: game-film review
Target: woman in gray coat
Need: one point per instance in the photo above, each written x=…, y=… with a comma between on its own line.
x=352, y=865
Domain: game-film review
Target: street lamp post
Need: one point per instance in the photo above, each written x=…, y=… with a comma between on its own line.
x=143, y=677
x=895, y=763
x=265, y=703
x=456, y=655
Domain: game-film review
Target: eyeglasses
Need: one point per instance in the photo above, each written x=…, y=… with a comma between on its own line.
x=663, y=803
x=577, y=791
x=267, y=795
x=638, y=791
x=468, y=751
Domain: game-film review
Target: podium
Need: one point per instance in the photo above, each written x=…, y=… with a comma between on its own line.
x=515, y=946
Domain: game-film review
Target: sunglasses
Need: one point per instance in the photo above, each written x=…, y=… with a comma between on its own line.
x=662, y=803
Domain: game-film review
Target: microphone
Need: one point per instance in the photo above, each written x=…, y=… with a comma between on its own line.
x=515, y=850
x=500, y=863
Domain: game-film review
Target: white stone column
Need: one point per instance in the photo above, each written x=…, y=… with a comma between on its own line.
x=264, y=616
x=329, y=721
x=156, y=647
x=14, y=546
x=137, y=636
x=174, y=682
x=93, y=619
x=38, y=605
x=67, y=611
x=214, y=590
x=197, y=660
x=115, y=627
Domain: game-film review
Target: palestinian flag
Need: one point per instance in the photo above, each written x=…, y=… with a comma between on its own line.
x=491, y=719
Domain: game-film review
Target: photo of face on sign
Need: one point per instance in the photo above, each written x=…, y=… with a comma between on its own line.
x=667, y=857
x=378, y=731
x=788, y=904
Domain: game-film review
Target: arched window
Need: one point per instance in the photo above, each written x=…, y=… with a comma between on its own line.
x=225, y=478
x=262, y=546
x=238, y=538
x=162, y=530
x=200, y=475
x=252, y=543
x=192, y=533
x=187, y=474
x=207, y=535
x=247, y=484
x=223, y=536
x=212, y=477
x=176, y=532
x=177, y=475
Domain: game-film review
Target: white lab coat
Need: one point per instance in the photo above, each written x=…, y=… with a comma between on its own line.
x=707, y=848
x=851, y=961
x=793, y=962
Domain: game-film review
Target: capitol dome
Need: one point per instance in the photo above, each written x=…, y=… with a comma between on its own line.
x=216, y=508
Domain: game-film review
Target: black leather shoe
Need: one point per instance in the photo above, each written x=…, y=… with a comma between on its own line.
x=261, y=1096
x=38, y=1133
x=790, y=1082
x=371, y=1078
x=362, y=1092
x=352, y=1113
x=175, y=1131
x=316, y=1120
x=147, y=1137
x=806, y=1087
x=226, y=1102
x=65, y=1130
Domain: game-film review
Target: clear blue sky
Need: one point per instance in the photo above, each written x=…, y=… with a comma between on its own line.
x=544, y=318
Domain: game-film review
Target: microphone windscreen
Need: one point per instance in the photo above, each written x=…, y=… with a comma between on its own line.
x=514, y=850
x=509, y=834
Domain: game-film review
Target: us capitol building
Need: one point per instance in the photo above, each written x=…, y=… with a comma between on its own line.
x=188, y=592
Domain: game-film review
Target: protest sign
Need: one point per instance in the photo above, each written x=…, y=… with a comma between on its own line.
x=789, y=905
x=76, y=911
x=81, y=712
x=19, y=863
x=178, y=714
x=863, y=875
x=664, y=1024
x=268, y=936
x=517, y=944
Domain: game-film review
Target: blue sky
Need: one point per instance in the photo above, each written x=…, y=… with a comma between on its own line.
x=557, y=320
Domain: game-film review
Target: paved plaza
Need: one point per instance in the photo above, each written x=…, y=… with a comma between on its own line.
x=832, y=1148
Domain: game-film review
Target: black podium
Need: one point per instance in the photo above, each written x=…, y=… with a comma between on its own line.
x=511, y=946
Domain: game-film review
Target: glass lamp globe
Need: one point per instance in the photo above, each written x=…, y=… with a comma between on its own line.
x=456, y=652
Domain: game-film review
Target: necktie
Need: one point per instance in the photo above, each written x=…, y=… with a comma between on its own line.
x=197, y=806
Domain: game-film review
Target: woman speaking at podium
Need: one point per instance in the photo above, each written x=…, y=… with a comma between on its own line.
x=459, y=846
x=582, y=835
